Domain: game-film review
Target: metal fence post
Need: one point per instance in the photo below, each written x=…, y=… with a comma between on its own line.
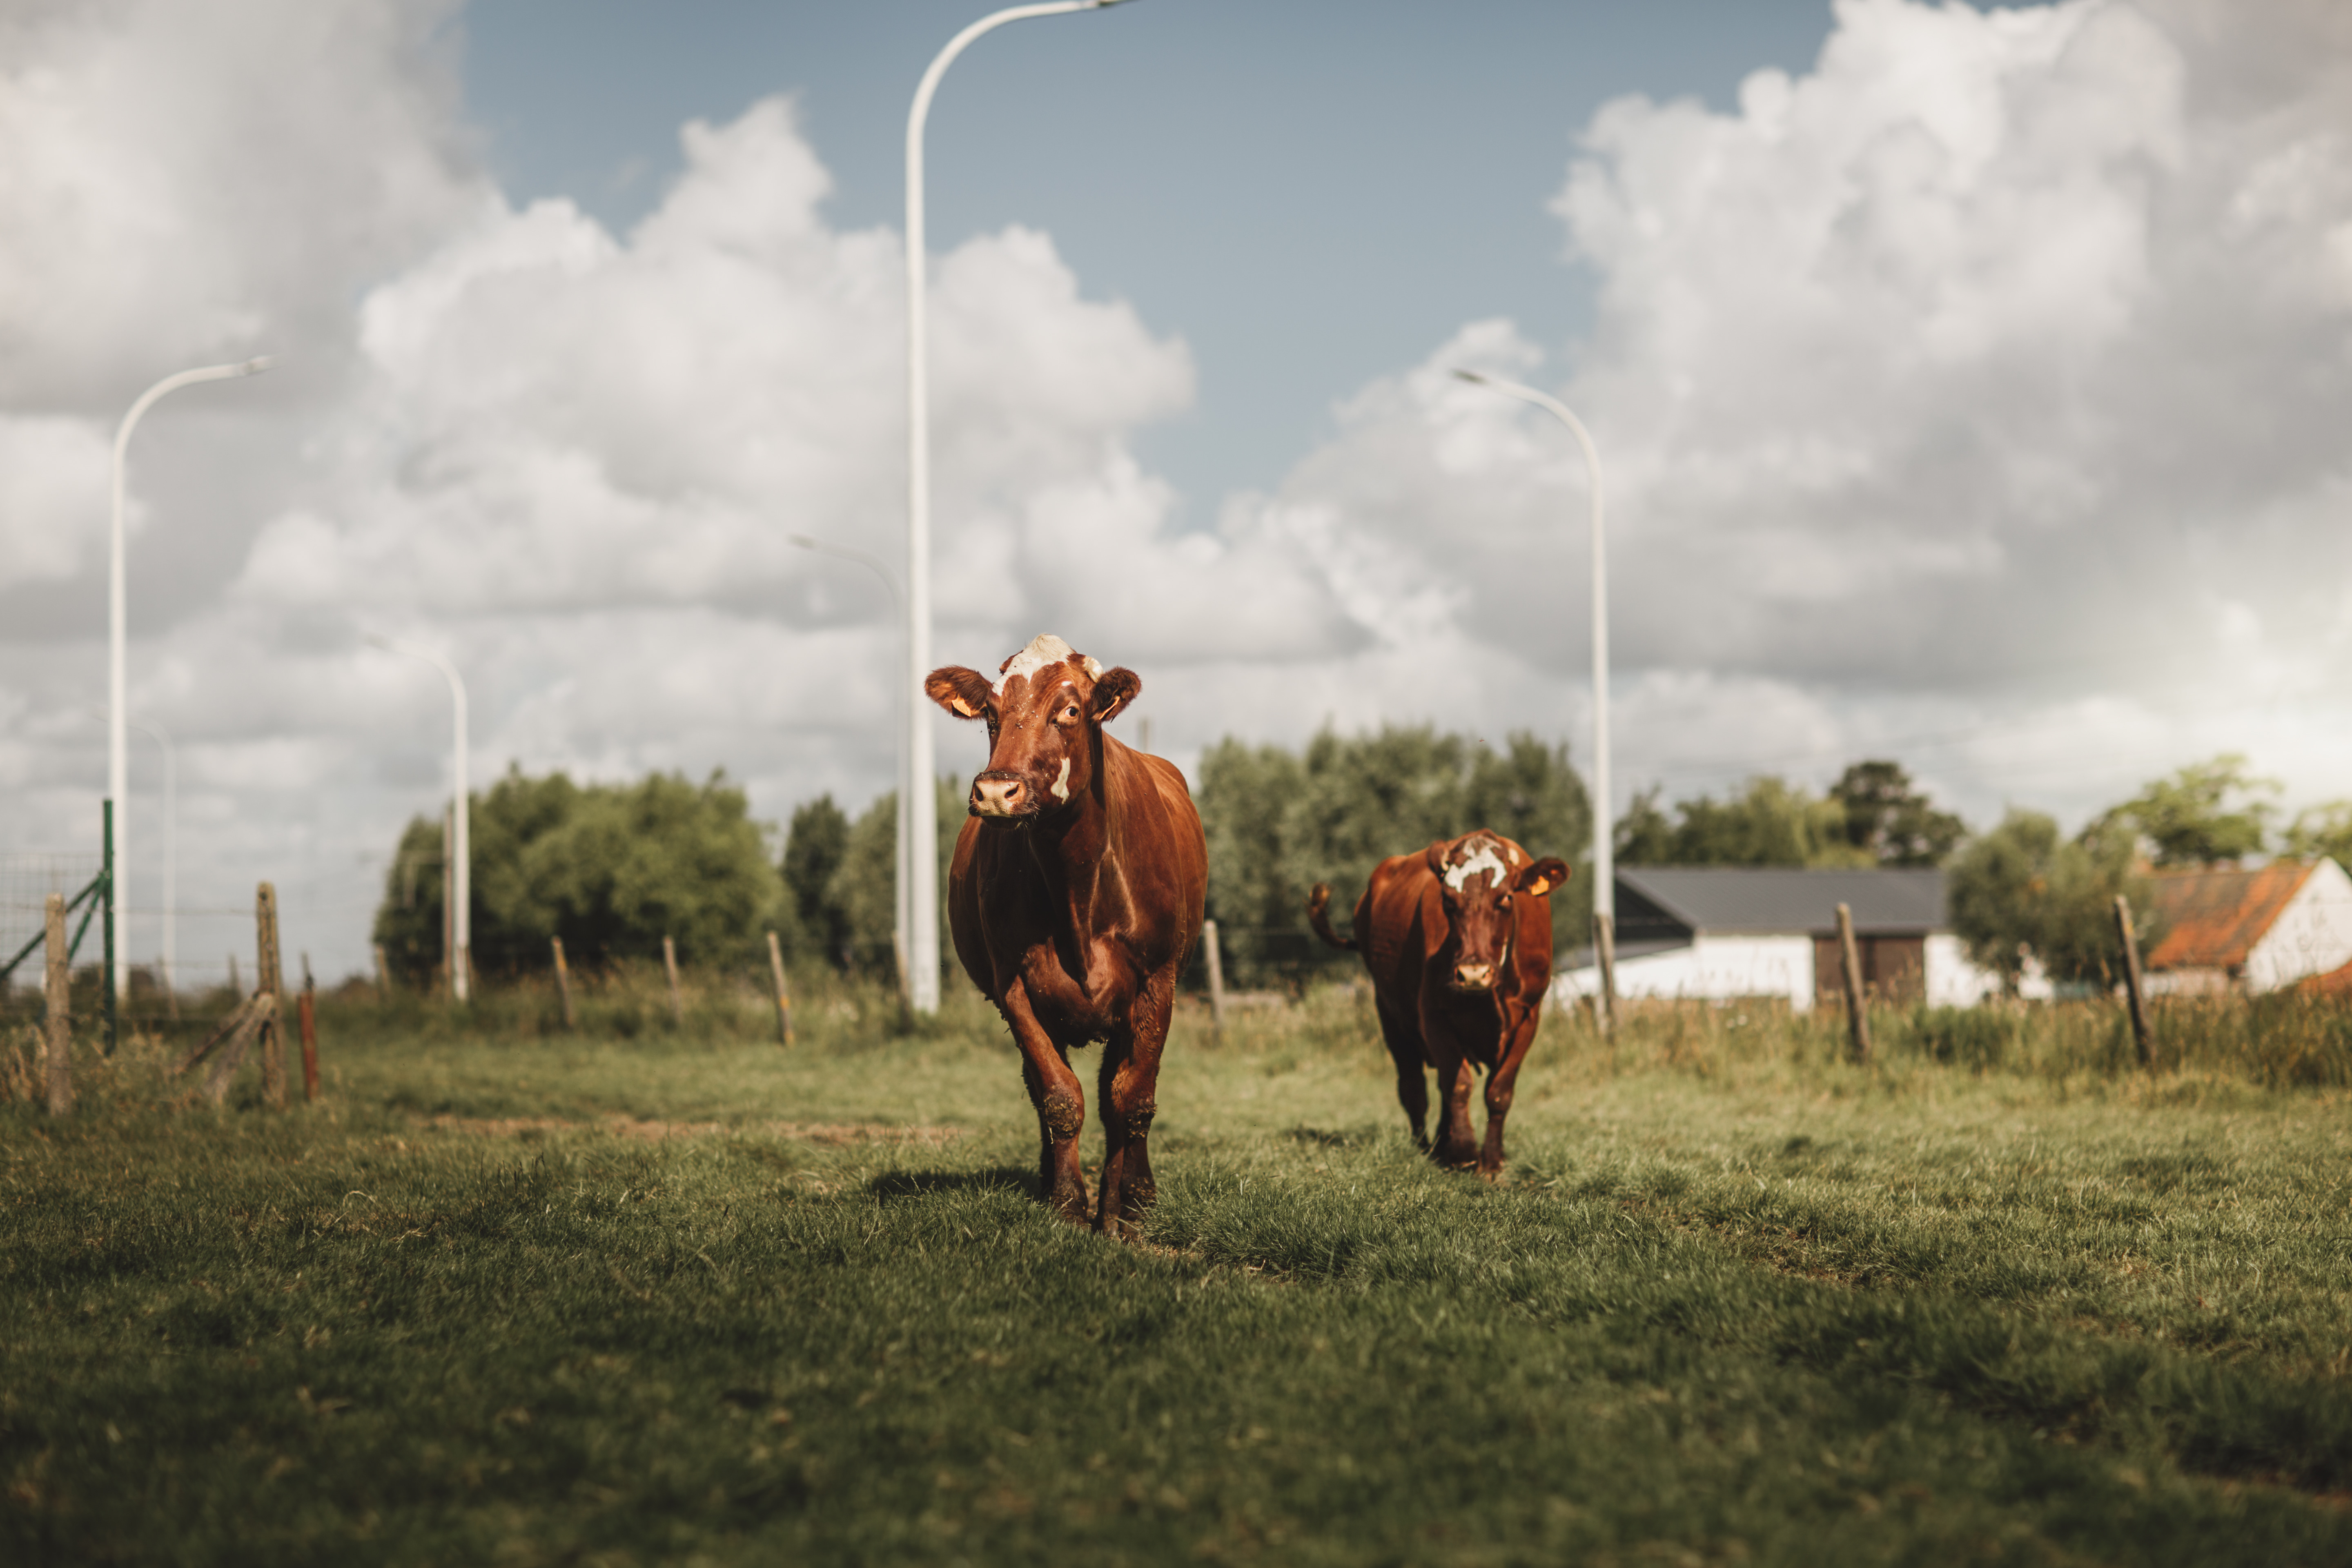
x=106, y=892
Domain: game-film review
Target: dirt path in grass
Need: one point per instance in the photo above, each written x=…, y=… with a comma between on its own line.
x=655, y=1130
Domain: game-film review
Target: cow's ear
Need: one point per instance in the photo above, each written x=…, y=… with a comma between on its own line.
x=1542, y=877
x=962, y=692
x=1434, y=858
x=1114, y=689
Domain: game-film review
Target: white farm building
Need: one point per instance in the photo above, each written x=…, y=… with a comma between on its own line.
x=1725, y=934
x=2229, y=930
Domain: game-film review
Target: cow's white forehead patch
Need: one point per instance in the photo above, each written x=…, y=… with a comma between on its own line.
x=1044, y=648
x=1482, y=861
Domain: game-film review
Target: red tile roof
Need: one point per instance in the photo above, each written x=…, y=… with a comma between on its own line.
x=2336, y=983
x=2214, y=918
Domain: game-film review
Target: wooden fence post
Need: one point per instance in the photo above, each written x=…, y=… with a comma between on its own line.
x=235, y=984
x=1216, y=978
x=271, y=980
x=2135, y=990
x=1857, y=1017
x=58, y=978
x=677, y=997
x=308, y=1011
x=382, y=978
x=562, y=981
x=783, y=1000
x=1605, y=963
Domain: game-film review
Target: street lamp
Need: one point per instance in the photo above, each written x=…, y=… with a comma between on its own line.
x=171, y=856
x=905, y=855
x=461, y=893
x=1605, y=872
x=921, y=821
x=118, y=737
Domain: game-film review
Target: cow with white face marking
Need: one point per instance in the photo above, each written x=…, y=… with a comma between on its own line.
x=1458, y=941
x=1074, y=899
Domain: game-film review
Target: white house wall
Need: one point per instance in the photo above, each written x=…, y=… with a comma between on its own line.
x=1715, y=968
x=1952, y=979
x=2311, y=936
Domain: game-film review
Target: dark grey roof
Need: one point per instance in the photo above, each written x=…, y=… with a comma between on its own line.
x=1757, y=899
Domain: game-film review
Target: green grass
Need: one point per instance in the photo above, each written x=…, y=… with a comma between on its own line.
x=664, y=1294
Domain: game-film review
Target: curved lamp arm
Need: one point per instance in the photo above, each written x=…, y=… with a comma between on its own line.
x=1605, y=872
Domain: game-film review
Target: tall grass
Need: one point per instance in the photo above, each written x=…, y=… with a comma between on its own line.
x=2282, y=1041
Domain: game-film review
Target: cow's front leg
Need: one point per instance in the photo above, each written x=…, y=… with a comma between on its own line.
x=1061, y=1103
x=1500, y=1085
x=1458, y=1145
x=1130, y=1083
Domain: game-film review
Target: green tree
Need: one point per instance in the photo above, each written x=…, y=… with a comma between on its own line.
x=1244, y=791
x=865, y=885
x=814, y=847
x=2021, y=890
x=611, y=868
x=2323, y=830
x=1277, y=823
x=1887, y=817
x=2187, y=819
x=1770, y=823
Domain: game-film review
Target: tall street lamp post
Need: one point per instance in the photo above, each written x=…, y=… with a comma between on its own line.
x=170, y=853
x=1604, y=871
x=461, y=892
x=905, y=857
x=920, y=822
x=118, y=734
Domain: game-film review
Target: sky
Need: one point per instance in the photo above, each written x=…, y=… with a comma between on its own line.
x=1971, y=387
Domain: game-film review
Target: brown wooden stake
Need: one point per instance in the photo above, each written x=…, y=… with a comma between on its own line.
x=783, y=998
x=308, y=1011
x=269, y=979
x=2135, y=989
x=57, y=1046
x=1604, y=961
x=235, y=986
x=676, y=996
x=562, y=981
x=1857, y=1017
x=1216, y=976
x=228, y=1044
x=382, y=978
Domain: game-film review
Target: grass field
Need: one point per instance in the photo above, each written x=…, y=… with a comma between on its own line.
x=645, y=1295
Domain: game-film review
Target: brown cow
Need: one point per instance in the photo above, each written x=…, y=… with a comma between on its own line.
x=1458, y=941
x=1075, y=898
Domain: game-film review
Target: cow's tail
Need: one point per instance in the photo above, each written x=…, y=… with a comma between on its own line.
x=1317, y=902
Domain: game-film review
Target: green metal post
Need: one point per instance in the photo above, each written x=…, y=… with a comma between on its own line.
x=106, y=893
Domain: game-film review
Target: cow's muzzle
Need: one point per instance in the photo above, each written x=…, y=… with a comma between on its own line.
x=1473, y=977
x=1002, y=795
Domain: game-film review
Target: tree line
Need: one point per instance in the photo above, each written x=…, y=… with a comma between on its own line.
x=612, y=869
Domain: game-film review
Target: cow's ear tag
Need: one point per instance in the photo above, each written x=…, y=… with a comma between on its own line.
x=964, y=710
x=1114, y=689
x=1545, y=875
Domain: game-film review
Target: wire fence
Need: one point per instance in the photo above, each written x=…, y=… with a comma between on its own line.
x=28, y=877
